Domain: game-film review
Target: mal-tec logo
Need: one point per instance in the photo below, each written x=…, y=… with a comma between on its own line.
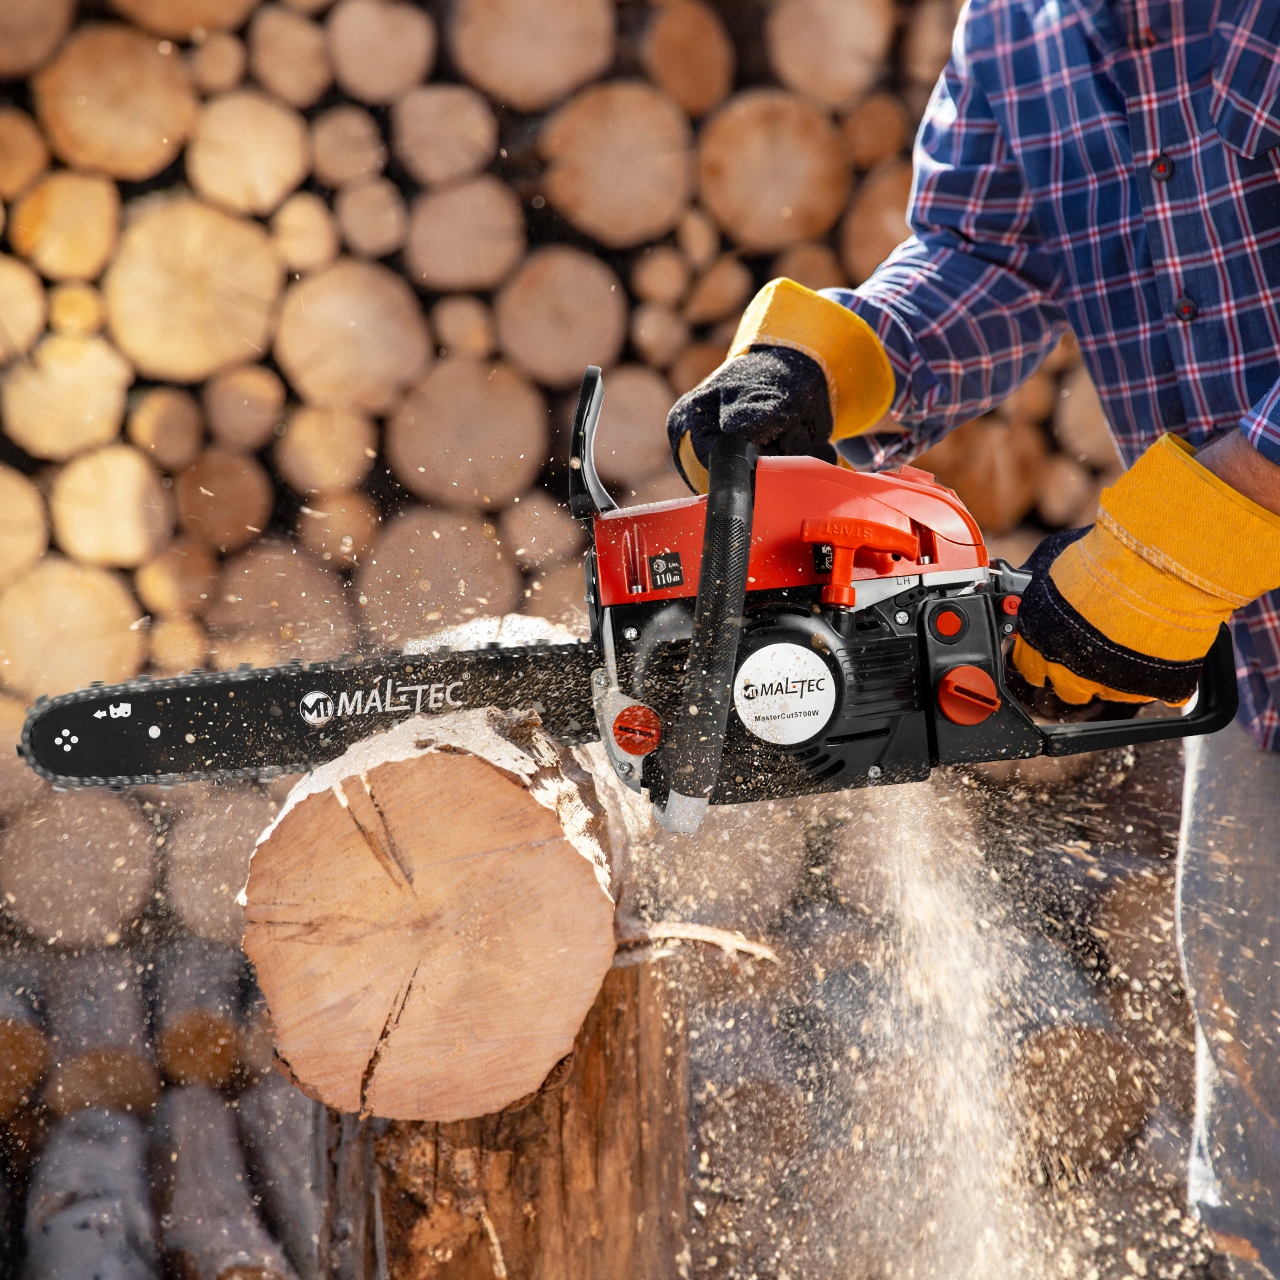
x=316, y=708
x=792, y=688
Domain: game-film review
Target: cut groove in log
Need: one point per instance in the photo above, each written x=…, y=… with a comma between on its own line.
x=166, y=425
x=224, y=499
x=339, y=529
x=113, y=101
x=244, y=406
x=178, y=582
x=24, y=533
x=109, y=508
x=78, y=866
x=658, y=334
x=468, y=236
x=698, y=238
x=431, y=569
x=443, y=132
x=464, y=327
x=209, y=1225
x=68, y=397
x=877, y=129
x=248, y=152
x=24, y=1050
x=516, y=823
x=829, y=49
x=99, y=1055
x=64, y=625
x=196, y=1011
x=30, y=30
x=632, y=440
x=218, y=63
x=660, y=274
x=182, y=19
x=354, y=335
x=23, y=154
x=305, y=233
x=373, y=217
x=877, y=219
x=472, y=435
x=326, y=450
x=347, y=146
x=539, y=531
x=289, y=56
x=66, y=225
x=177, y=645
x=813, y=265
x=22, y=308
x=77, y=309
x=191, y=290
x=561, y=311
x=686, y=51
x=380, y=49
x=528, y=54
x=619, y=162
x=721, y=291
x=772, y=170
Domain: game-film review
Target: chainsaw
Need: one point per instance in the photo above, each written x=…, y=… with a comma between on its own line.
x=802, y=628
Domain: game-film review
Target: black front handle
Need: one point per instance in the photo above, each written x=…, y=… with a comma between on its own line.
x=587, y=495
x=1215, y=708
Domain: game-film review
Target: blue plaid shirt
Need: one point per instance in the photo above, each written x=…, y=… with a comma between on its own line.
x=1112, y=166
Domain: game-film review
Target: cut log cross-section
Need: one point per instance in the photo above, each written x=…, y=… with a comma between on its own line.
x=438, y=961
x=196, y=1011
x=23, y=1047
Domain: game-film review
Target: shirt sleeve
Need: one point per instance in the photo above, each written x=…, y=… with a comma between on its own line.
x=1261, y=425
x=966, y=307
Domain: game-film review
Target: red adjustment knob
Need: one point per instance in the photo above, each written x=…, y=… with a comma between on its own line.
x=967, y=695
x=1011, y=604
x=637, y=729
x=865, y=543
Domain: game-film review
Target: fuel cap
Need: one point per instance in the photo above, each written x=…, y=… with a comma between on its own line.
x=967, y=695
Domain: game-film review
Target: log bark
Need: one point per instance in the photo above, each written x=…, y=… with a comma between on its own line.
x=76, y=309
x=207, y=852
x=99, y=1053
x=166, y=425
x=177, y=645
x=829, y=49
x=243, y=406
x=179, y=582
x=109, y=508
x=181, y=19
x=63, y=625
x=468, y=236
x=347, y=146
x=30, y=30
x=619, y=162
x=660, y=274
x=305, y=234
x=113, y=102
x=877, y=220
x=1080, y=423
x=561, y=311
x=698, y=238
x=443, y=132
x=24, y=1049
x=472, y=435
x=23, y=153
x=464, y=327
x=658, y=333
x=22, y=308
x=68, y=397
x=197, y=1004
x=289, y=56
x=66, y=225
x=191, y=290
x=223, y=499
x=876, y=129
x=282, y=1133
x=523, y=819
x=417, y=582
x=721, y=291
x=340, y=529
x=326, y=451
x=218, y=63
x=530, y=55
x=686, y=51
x=813, y=265
x=379, y=49
x=89, y=1206
x=24, y=532
x=539, y=531
x=373, y=217
x=352, y=335
x=209, y=1226
x=632, y=440
x=772, y=169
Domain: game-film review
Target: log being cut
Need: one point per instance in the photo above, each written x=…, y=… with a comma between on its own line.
x=430, y=917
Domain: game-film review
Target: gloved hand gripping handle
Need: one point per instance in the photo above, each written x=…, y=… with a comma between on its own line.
x=691, y=750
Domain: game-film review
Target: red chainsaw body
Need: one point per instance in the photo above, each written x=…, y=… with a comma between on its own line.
x=878, y=520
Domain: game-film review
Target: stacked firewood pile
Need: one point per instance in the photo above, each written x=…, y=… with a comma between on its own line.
x=294, y=298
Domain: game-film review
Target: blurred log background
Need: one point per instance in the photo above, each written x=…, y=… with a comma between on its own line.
x=294, y=299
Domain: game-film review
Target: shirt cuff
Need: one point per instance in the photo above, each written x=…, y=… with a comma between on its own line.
x=1261, y=425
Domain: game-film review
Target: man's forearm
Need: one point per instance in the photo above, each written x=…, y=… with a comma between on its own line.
x=1234, y=460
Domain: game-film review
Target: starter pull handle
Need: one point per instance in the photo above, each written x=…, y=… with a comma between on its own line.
x=878, y=545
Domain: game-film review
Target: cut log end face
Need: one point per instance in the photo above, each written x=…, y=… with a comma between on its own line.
x=199, y=1047
x=23, y=1054
x=442, y=961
